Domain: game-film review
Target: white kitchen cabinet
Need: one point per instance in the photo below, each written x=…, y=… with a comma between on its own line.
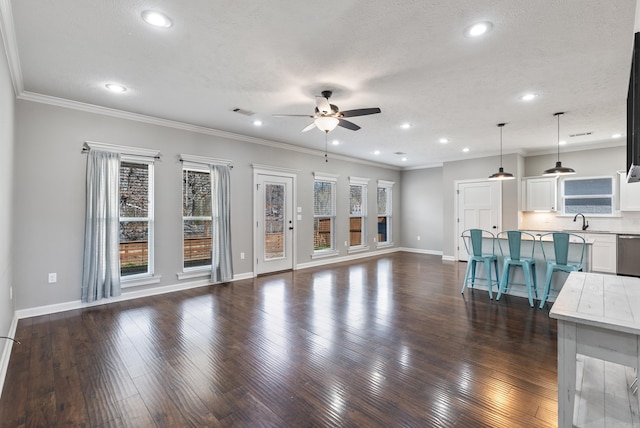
x=603, y=252
x=540, y=194
x=629, y=194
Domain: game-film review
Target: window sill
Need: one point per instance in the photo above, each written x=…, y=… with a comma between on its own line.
x=200, y=273
x=358, y=249
x=384, y=244
x=324, y=253
x=137, y=282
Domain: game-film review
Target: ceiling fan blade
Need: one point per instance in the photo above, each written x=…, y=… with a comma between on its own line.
x=349, y=125
x=309, y=127
x=293, y=115
x=360, y=112
x=323, y=105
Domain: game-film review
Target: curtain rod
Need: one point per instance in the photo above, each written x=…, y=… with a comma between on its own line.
x=157, y=157
x=208, y=164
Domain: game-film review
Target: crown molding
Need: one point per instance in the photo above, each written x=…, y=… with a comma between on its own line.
x=8, y=32
x=121, y=114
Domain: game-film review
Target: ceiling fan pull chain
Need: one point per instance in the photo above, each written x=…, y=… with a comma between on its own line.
x=326, y=136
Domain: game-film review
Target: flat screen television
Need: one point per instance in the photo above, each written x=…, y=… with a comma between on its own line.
x=633, y=115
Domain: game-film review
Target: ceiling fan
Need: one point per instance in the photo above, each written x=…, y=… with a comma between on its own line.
x=327, y=116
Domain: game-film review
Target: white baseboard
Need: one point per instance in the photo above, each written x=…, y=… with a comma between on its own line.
x=420, y=251
x=349, y=257
x=126, y=295
x=6, y=352
x=448, y=258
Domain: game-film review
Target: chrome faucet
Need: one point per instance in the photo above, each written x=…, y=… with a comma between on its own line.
x=585, y=223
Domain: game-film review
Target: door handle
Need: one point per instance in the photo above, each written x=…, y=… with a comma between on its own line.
x=290, y=228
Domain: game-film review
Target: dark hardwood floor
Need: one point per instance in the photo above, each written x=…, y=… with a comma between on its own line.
x=385, y=341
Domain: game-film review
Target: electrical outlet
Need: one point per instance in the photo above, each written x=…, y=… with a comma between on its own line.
x=241, y=256
x=418, y=237
x=346, y=244
x=53, y=277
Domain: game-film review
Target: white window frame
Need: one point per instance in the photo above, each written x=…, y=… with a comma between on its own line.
x=204, y=163
x=383, y=184
x=189, y=166
x=363, y=184
x=612, y=195
x=134, y=280
x=332, y=179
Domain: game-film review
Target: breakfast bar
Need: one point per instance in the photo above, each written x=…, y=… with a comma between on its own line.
x=598, y=316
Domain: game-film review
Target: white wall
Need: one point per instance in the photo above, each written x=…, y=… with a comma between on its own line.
x=49, y=174
x=7, y=125
x=421, y=210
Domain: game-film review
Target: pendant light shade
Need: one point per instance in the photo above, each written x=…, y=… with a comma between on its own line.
x=559, y=169
x=501, y=175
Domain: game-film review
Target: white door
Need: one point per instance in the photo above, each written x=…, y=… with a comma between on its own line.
x=479, y=207
x=274, y=219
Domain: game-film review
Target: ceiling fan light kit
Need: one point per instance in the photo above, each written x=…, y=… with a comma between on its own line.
x=501, y=175
x=559, y=169
x=327, y=116
x=326, y=123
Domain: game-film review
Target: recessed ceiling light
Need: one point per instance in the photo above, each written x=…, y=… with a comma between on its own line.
x=405, y=126
x=444, y=140
x=529, y=97
x=404, y=159
x=562, y=143
x=257, y=122
x=377, y=152
x=478, y=29
x=156, y=19
x=616, y=136
x=466, y=149
x=335, y=142
x=114, y=87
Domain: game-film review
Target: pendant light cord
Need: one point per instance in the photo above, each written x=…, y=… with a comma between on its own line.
x=558, y=116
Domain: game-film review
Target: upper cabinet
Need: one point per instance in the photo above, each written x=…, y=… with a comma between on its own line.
x=540, y=194
x=629, y=194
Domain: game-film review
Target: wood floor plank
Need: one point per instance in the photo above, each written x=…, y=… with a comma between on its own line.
x=380, y=341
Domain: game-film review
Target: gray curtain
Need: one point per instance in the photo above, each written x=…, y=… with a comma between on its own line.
x=101, y=274
x=221, y=266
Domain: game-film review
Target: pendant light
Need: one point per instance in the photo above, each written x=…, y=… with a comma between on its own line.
x=501, y=175
x=559, y=169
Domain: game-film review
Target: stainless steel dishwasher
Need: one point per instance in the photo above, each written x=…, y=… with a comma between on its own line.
x=629, y=255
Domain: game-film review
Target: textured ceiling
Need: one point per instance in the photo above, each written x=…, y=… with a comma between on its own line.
x=410, y=58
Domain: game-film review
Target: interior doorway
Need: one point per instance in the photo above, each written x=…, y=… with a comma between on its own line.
x=479, y=206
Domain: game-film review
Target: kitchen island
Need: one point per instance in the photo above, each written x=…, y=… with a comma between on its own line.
x=598, y=316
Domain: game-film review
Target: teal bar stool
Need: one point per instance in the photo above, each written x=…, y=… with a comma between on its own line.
x=513, y=242
x=473, y=242
x=559, y=260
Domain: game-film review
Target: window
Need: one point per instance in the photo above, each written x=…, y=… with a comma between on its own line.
x=136, y=218
x=385, y=205
x=196, y=218
x=593, y=195
x=357, y=212
x=324, y=213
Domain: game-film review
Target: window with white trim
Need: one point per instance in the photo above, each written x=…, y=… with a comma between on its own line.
x=357, y=212
x=324, y=212
x=591, y=195
x=197, y=217
x=136, y=217
x=385, y=211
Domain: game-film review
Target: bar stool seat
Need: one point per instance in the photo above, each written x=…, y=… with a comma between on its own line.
x=473, y=241
x=514, y=258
